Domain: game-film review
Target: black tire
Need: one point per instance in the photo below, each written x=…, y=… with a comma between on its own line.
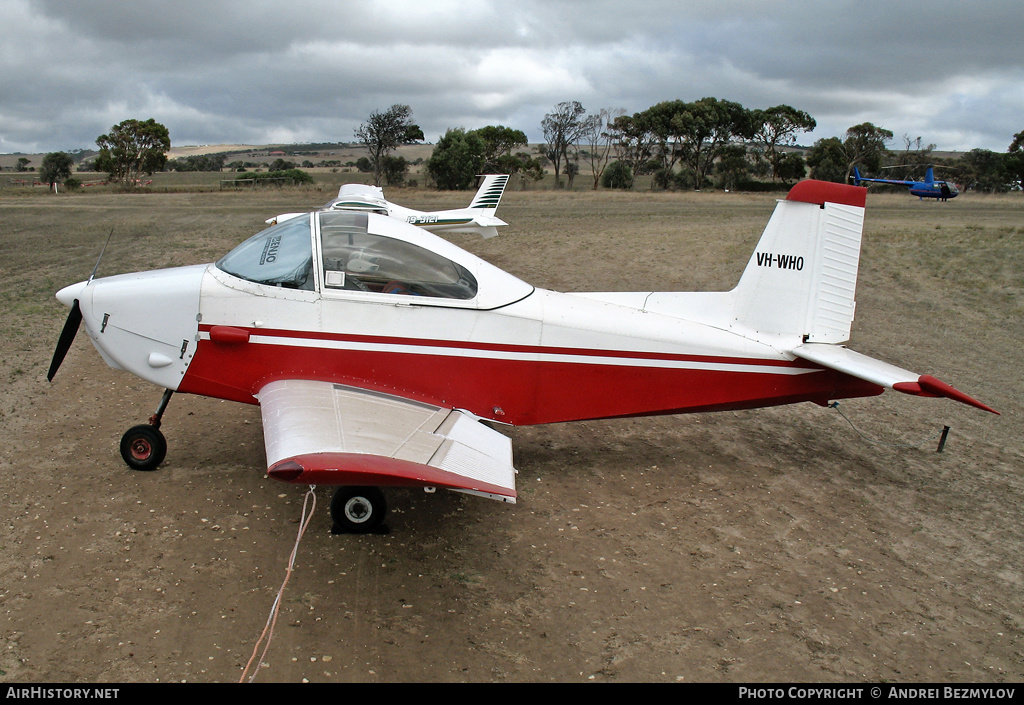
x=143, y=447
x=358, y=510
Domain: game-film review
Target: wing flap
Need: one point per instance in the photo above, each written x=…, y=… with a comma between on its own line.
x=324, y=433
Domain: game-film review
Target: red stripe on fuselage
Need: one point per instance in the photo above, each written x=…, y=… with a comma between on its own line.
x=461, y=345
x=517, y=387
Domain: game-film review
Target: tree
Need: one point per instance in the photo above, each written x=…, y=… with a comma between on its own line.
x=281, y=164
x=694, y=134
x=562, y=128
x=394, y=170
x=56, y=168
x=525, y=165
x=499, y=141
x=133, y=148
x=384, y=132
x=709, y=126
x=662, y=122
x=457, y=159
x=277, y=178
x=914, y=155
x=198, y=162
x=599, y=140
x=1014, y=161
x=572, y=168
x=984, y=170
x=827, y=160
x=732, y=166
x=864, y=144
x=792, y=167
x=618, y=174
x=832, y=159
x=776, y=127
x=633, y=142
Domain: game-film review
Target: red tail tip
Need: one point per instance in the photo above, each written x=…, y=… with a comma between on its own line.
x=822, y=192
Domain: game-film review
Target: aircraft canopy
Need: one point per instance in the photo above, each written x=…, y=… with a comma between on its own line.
x=345, y=252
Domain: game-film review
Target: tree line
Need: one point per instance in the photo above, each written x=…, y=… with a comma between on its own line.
x=679, y=144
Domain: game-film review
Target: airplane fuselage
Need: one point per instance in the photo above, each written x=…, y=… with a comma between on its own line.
x=549, y=357
x=513, y=354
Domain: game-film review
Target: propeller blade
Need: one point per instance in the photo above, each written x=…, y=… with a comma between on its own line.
x=67, y=336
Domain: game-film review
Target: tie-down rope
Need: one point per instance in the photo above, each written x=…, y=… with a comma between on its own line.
x=268, y=630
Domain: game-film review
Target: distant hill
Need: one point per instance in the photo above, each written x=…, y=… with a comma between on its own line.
x=340, y=151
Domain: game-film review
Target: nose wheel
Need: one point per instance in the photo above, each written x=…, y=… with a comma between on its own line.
x=144, y=447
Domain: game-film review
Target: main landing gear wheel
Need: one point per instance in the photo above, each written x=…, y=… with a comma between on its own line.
x=358, y=510
x=143, y=447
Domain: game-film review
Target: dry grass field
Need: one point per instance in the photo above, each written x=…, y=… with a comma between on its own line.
x=798, y=543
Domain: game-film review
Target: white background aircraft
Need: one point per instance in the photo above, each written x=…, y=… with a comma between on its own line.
x=477, y=218
x=382, y=355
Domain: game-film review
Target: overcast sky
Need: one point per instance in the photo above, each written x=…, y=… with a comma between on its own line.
x=269, y=71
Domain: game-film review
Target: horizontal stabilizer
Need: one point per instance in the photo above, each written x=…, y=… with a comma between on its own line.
x=485, y=226
x=881, y=373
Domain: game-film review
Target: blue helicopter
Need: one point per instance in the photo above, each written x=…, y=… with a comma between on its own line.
x=929, y=188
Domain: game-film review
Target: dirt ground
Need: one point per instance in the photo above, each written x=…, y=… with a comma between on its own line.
x=799, y=543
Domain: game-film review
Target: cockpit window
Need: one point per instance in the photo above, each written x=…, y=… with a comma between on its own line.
x=357, y=260
x=281, y=255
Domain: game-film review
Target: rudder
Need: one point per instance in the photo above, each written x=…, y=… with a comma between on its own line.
x=489, y=194
x=802, y=276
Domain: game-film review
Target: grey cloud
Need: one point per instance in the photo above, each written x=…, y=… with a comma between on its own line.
x=239, y=70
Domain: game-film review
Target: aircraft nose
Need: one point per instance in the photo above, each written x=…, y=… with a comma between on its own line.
x=68, y=294
x=146, y=322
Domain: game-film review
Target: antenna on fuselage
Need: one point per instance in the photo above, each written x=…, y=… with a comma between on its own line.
x=102, y=250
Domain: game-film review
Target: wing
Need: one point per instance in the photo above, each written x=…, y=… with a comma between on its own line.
x=332, y=434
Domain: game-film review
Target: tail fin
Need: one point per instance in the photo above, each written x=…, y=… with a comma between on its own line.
x=490, y=191
x=802, y=276
x=856, y=176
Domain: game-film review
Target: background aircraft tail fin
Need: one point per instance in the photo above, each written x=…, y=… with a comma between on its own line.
x=802, y=276
x=490, y=191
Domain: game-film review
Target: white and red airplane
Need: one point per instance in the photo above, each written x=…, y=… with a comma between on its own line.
x=379, y=353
